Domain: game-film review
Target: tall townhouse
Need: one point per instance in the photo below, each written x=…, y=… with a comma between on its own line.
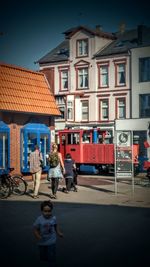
x=140, y=83
x=92, y=75
x=72, y=71
x=127, y=71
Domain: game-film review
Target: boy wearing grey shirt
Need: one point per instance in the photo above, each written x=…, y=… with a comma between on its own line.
x=46, y=230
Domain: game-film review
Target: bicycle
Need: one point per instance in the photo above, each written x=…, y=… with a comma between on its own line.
x=11, y=184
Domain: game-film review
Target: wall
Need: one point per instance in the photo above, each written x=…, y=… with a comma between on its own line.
x=137, y=87
x=16, y=121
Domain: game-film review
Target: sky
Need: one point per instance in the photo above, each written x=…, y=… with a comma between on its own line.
x=31, y=29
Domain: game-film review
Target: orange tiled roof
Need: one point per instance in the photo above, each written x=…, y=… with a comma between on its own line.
x=24, y=90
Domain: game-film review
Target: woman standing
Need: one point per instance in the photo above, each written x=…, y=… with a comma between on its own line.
x=56, y=168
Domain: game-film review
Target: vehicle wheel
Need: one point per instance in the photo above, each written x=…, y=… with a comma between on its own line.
x=19, y=185
x=5, y=189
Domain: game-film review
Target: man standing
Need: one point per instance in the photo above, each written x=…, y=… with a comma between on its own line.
x=36, y=170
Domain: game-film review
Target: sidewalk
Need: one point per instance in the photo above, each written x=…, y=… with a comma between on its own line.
x=93, y=190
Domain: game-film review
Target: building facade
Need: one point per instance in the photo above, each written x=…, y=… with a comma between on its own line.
x=93, y=75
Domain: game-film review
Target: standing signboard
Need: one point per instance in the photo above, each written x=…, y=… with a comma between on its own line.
x=123, y=156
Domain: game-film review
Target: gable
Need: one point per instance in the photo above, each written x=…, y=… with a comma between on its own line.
x=81, y=63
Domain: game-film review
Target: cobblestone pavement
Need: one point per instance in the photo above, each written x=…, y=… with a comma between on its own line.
x=97, y=190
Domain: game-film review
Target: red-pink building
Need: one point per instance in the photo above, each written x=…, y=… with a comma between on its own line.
x=27, y=110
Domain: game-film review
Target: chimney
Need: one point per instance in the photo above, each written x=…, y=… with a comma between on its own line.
x=98, y=28
x=122, y=27
x=140, y=34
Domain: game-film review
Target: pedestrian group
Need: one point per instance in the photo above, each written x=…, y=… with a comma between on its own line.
x=58, y=169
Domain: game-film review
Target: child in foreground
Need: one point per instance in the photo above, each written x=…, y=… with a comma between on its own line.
x=46, y=230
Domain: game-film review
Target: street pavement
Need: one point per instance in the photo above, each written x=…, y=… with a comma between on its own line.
x=100, y=228
x=97, y=190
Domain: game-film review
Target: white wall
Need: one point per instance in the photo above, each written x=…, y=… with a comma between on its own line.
x=138, y=87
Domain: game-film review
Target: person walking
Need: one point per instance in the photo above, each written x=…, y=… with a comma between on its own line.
x=70, y=168
x=35, y=160
x=56, y=169
x=46, y=229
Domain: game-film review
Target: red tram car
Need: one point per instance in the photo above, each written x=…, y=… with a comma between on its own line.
x=91, y=149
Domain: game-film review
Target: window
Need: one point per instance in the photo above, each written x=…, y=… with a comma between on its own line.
x=103, y=76
x=144, y=106
x=85, y=110
x=144, y=69
x=73, y=139
x=82, y=48
x=64, y=79
x=62, y=111
x=120, y=74
x=83, y=78
x=70, y=110
x=104, y=109
x=121, y=108
x=61, y=105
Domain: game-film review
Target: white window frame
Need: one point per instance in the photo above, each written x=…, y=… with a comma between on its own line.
x=82, y=47
x=70, y=115
x=121, y=72
x=84, y=110
x=121, y=108
x=104, y=108
x=103, y=74
x=62, y=111
x=61, y=104
x=82, y=76
x=64, y=79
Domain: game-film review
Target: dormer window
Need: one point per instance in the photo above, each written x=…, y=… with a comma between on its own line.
x=82, y=48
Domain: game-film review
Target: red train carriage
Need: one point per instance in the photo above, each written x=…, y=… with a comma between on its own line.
x=92, y=151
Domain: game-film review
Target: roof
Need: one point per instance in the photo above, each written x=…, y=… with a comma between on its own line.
x=126, y=41
x=23, y=90
x=97, y=32
x=60, y=53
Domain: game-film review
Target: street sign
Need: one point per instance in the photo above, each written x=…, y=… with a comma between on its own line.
x=123, y=156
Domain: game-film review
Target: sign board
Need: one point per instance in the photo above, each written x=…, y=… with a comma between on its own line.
x=132, y=124
x=123, y=155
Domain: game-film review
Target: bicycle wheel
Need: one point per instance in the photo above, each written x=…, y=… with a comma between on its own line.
x=5, y=189
x=19, y=185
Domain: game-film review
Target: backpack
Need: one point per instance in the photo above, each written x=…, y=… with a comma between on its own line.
x=53, y=160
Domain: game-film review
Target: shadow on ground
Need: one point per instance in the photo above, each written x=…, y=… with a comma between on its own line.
x=94, y=235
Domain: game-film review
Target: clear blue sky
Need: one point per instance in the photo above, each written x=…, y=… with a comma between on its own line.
x=30, y=29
